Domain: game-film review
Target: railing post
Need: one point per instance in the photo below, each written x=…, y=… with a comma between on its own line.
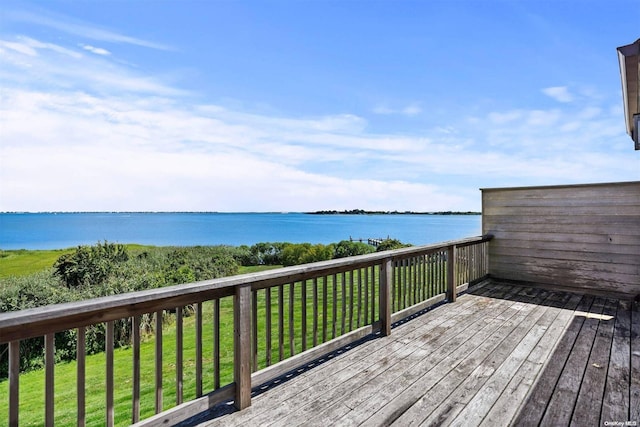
x=386, y=286
x=451, y=273
x=242, y=345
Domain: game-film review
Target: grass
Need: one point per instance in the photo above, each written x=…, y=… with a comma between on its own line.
x=23, y=262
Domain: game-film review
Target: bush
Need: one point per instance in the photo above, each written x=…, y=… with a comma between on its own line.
x=388, y=244
x=347, y=248
x=185, y=265
x=302, y=253
x=90, y=265
x=267, y=253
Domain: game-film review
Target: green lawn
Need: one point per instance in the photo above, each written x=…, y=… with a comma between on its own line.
x=22, y=262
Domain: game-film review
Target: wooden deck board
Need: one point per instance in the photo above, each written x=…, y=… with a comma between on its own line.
x=594, y=381
x=635, y=364
x=499, y=355
x=476, y=368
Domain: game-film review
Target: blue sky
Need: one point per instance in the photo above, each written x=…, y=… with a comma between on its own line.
x=307, y=105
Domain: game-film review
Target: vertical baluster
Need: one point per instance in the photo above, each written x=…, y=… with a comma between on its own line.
x=386, y=278
x=351, y=299
x=303, y=313
x=292, y=344
x=414, y=279
x=216, y=343
x=408, y=274
x=396, y=284
x=373, y=294
x=267, y=304
x=416, y=284
x=135, y=395
x=198, y=314
x=324, y=308
x=435, y=272
x=470, y=262
x=80, y=376
x=280, y=322
x=399, y=277
x=406, y=300
x=179, y=356
x=359, y=298
x=367, y=285
x=14, y=383
x=158, y=362
x=335, y=305
x=423, y=277
x=315, y=311
x=463, y=266
x=442, y=263
x=110, y=384
x=433, y=268
x=343, y=290
x=254, y=332
x=49, y=361
x=395, y=295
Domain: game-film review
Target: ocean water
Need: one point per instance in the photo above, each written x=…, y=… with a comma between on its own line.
x=64, y=230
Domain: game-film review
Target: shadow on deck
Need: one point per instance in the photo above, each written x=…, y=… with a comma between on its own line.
x=502, y=354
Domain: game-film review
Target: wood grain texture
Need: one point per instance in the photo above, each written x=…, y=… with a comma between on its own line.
x=496, y=356
x=584, y=236
x=242, y=346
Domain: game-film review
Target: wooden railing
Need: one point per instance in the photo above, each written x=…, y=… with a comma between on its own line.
x=281, y=319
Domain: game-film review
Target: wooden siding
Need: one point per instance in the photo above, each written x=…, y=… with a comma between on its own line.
x=577, y=237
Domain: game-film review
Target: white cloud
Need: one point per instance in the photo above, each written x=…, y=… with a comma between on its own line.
x=98, y=153
x=96, y=50
x=559, y=93
x=89, y=133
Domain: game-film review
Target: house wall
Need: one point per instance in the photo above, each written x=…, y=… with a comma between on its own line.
x=574, y=237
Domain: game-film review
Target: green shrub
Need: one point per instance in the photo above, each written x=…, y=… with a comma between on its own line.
x=266, y=253
x=347, y=248
x=90, y=265
x=302, y=253
x=388, y=244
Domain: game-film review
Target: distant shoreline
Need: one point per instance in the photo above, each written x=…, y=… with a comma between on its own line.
x=363, y=212
x=321, y=212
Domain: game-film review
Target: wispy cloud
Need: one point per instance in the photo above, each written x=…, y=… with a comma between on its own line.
x=79, y=28
x=35, y=63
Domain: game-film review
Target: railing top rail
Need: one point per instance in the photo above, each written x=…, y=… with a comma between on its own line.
x=58, y=317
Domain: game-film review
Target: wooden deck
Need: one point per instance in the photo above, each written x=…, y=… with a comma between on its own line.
x=500, y=355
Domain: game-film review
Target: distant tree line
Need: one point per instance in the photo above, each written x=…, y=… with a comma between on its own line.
x=364, y=212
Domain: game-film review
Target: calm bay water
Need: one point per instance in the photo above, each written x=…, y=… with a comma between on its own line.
x=63, y=230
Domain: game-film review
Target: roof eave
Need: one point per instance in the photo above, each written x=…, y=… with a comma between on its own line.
x=629, y=60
